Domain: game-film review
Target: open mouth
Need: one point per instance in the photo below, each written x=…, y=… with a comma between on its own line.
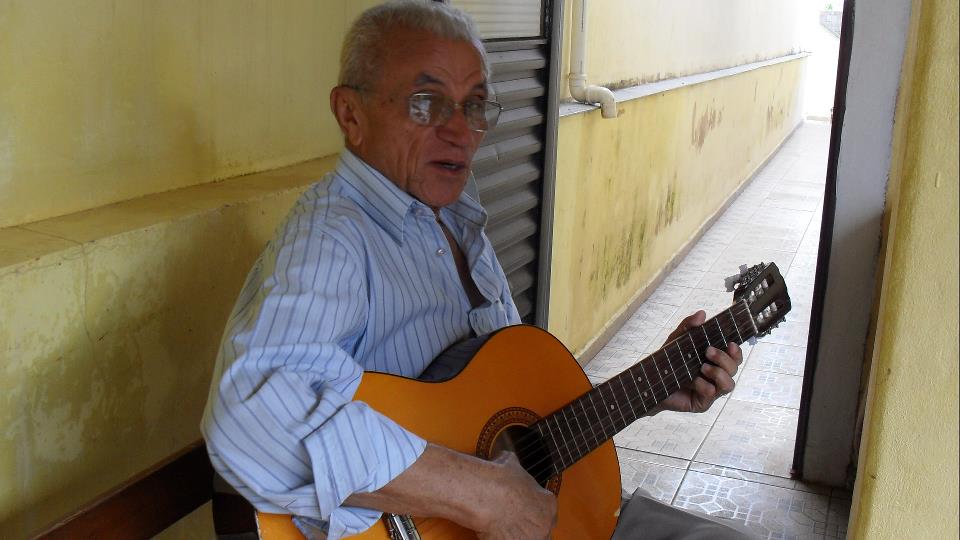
x=452, y=166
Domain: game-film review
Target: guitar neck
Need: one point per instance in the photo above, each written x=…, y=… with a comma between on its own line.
x=593, y=418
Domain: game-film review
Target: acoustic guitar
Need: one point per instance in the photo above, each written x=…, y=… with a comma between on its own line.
x=524, y=392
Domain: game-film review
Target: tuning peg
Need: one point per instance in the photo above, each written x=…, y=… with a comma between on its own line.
x=731, y=281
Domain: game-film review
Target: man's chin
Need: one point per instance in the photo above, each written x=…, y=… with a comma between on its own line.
x=442, y=191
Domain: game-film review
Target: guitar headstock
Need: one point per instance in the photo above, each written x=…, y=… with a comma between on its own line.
x=765, y=293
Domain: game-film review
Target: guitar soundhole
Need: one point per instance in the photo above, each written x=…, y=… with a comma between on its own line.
x=508, y=431
x=530, y=449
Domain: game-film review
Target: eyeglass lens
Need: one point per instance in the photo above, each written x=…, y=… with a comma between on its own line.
x=434, y=109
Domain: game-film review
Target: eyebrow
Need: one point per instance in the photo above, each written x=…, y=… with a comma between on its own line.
x=425, y=78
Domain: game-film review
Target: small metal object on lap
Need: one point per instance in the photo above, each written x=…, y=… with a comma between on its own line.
x=401, y=527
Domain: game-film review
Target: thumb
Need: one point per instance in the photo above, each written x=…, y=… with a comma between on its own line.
x=691, y=321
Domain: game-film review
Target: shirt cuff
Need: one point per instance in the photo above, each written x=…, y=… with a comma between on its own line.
x=357, y=450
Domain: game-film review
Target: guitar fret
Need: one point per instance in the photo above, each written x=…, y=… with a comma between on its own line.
x=599, y=420
x=723, y=338
x=557, y=445
x=626, y=398
x=674, y=368
x=633, y=378
x=664, y=383
x=646, y=376
x=608, y=407
x=579, y=428
x=730, y=313
x=695, y=351
x=706, y=336
x=586, y=418
x=540, y=427
x=753, y=323
x=683, y=359
x=570, y=436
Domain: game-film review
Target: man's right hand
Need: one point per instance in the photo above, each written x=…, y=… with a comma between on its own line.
x=498, y=499
x=520, y=509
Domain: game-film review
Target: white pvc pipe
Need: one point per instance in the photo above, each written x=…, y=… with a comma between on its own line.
x=579, y=88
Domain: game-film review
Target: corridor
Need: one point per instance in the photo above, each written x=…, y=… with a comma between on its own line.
x=734, y=460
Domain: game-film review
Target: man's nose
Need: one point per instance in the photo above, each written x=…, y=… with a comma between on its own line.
x=455, y=130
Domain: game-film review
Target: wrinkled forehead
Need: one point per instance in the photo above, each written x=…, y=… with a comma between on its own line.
x=415, y=58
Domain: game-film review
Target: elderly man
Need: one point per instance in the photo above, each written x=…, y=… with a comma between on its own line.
x=381, y=266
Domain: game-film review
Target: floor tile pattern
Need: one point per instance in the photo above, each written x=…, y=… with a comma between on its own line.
x=734, y=460
x=769, y=511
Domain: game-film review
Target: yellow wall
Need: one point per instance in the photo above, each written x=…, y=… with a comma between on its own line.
x=111, y=312
x=907, y=475
x=110, y=324
x=110, y=317
x=635, y=41
x=103, y=101
x=633, y=190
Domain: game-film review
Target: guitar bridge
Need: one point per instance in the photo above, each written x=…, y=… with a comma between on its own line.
x=401, y=527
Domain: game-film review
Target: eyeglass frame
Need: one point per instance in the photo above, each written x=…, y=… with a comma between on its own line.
x=450, y=105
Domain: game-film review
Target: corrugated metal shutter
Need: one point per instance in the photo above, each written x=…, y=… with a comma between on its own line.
x=509, y=165
x=505, y=18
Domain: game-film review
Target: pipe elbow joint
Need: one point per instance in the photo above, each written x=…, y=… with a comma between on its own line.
x=593, y=94
x=603, y=96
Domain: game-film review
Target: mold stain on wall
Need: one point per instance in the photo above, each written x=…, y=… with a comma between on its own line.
x=775, y=116
x=702, y=125
x=668, y=210
x=617, y=258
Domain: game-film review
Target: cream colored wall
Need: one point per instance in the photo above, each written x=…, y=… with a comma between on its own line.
x=105, y=101
x=907, y=475
x=631, y=192
x=635, y=41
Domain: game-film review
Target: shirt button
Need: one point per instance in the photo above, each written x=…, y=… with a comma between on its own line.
x=441, y=252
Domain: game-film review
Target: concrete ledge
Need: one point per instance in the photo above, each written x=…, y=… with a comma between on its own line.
x=649, y=89
x=32, y=241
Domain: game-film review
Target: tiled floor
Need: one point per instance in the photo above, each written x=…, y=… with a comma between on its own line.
x=734, y=460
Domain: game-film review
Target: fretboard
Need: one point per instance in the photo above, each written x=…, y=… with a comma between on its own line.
x=593, y=418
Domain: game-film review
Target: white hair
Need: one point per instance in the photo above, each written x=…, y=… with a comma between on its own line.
x=362, y=53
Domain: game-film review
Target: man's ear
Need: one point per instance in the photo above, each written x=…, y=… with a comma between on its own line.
x=346, y=107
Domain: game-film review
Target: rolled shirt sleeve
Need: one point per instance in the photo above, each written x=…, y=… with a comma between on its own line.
x=280, y=425
x=357, y=278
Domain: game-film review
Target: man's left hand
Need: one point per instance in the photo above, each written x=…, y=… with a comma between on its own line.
x=716, y=376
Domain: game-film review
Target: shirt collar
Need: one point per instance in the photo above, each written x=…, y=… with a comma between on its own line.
x=389, y=206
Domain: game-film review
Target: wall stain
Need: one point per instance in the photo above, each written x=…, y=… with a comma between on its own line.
x=643, y=79
x=618, y=257
x=776, y=115
x=667, y=210
x=701, y=126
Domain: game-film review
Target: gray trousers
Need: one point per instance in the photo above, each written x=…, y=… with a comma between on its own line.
x=645, y=518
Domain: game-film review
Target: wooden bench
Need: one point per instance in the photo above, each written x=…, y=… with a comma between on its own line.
x=146, y=504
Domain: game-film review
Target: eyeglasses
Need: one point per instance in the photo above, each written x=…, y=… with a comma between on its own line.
x=428, y=109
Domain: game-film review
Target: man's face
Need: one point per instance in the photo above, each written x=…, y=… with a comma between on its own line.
x=432, y=163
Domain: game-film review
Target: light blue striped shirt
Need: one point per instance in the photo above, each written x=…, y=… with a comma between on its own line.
x=359, y=277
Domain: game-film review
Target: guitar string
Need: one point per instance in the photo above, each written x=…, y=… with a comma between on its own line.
x=532, y=438
x=576, y=445
x=608, y=419
x=612, y=420
x=657, y=386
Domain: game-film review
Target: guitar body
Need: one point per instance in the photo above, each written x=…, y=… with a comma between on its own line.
x=518, y=371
